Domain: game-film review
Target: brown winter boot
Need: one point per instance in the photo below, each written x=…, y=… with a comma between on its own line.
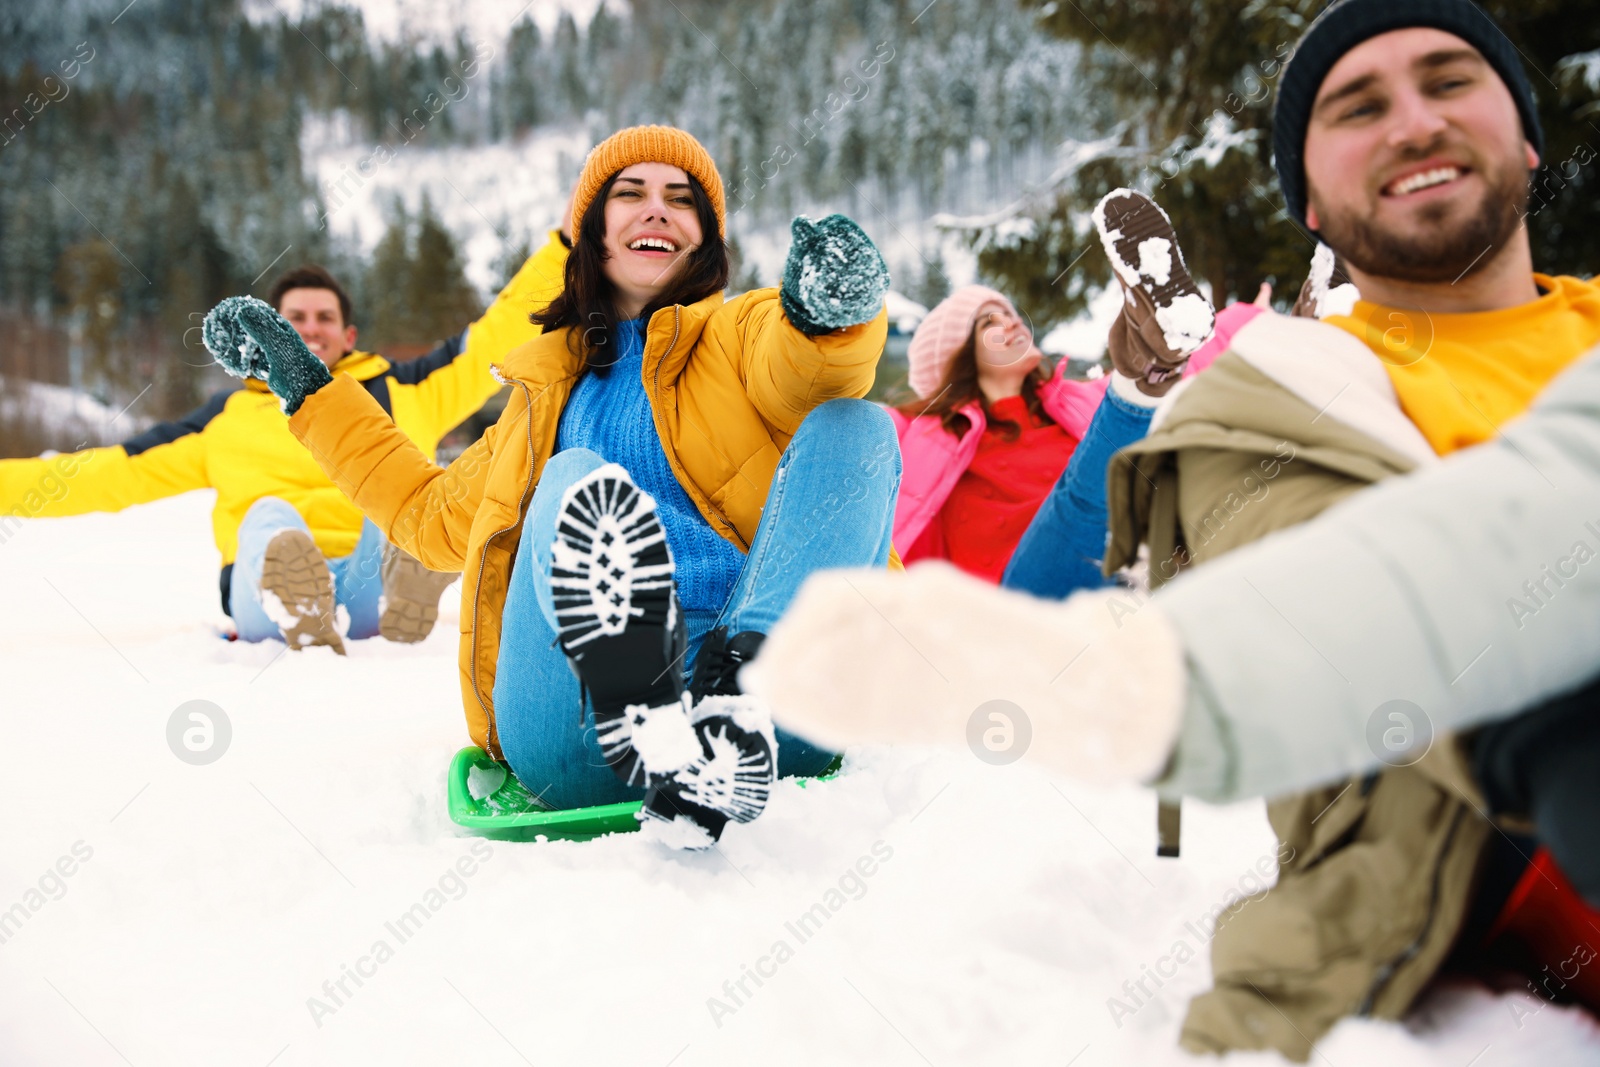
x=410, y=596
x=297, y=591
x=1164, y=315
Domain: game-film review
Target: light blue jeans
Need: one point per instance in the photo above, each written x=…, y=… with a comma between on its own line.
x=1063, y=547
x=357, y=578
x=831, y=504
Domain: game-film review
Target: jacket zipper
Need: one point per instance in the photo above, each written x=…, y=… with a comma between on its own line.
x=1387, y=971
x=483, y=561
x=677, y=323
x=483, y=557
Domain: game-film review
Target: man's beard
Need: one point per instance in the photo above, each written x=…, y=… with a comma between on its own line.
x=1443, y=252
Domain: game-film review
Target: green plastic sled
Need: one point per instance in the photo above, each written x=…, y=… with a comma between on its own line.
x=504, y=810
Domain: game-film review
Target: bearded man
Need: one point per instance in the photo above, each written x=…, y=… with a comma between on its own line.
x=1457, y=594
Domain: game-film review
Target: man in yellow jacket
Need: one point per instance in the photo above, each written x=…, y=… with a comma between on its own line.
x=294, y=549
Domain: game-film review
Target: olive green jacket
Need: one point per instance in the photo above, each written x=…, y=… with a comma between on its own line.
x=1296, y=417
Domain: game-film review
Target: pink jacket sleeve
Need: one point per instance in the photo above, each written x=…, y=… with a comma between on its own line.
x=1230, y=320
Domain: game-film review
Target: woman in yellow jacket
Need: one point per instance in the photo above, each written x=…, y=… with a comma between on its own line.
x=668, y=471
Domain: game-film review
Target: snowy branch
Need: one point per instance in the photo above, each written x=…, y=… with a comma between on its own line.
x=1583, y=67
x=1222, y=136
x=1010, y=220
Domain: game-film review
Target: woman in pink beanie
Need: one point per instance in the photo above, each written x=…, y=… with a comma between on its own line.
x=993, y=441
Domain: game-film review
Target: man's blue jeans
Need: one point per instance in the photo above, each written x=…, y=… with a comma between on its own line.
x=357, y=578
x=1065, y=544
x=831, y=504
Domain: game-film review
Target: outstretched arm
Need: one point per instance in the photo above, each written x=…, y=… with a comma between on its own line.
x=1469, y=591
x=421, y=507
x=165, y=460
x=819, y=337
x=425, y=509
x=1466, y=592
x=443, y=388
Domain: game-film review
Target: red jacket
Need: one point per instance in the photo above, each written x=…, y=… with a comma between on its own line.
x=933, y=459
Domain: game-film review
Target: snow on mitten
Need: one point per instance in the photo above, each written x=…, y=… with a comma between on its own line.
x=250, y=340
x=834, y=276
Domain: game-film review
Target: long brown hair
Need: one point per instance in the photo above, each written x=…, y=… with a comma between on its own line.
x=960, y=388
x=588, y=300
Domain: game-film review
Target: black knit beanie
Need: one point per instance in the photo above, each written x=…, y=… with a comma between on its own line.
x=1347, y=23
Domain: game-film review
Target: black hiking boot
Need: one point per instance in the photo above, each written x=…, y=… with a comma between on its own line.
x=619, y=624
x=716, y=668
x=616, y=609
x=733, y=778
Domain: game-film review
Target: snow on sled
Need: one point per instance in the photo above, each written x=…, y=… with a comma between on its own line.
x=486, y=798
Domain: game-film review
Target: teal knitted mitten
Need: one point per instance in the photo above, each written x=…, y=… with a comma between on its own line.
x=834, y=276
x=251, y=340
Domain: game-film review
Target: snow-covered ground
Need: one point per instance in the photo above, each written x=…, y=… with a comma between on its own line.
x=158, y=912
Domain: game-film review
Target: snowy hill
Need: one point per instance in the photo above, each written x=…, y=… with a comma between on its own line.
x=437, y=19
x=493, y=196
x=65, y=414
x=489, y=197
x=253, y=910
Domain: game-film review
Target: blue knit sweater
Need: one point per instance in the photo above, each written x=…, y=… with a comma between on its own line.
x=609, y=414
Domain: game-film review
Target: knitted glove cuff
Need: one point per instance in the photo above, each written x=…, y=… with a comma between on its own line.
x=796, y=313
x=834, y=276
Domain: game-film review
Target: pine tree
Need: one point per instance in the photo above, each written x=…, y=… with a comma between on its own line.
x=569, y=72
x=443, y=301
x=387, y=317
x=602, y=52
x=519, y=91
x=89, y=277
x=745, y=276
x=514, y=252
x=934, y=285
x=1188, y=86
x=416, y=288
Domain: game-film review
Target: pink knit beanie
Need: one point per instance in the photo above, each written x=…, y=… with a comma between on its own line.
x=943, y=332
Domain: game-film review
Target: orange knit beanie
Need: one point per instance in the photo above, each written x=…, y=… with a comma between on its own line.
x=649, y=144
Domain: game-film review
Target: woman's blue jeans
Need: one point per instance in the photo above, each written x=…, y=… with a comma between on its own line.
x=1062, y=550
x=357, y=578
x=831, y=504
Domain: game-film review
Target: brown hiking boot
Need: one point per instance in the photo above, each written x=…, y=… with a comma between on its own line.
x=1164, y=316
x=410, y=596
x=297, y=591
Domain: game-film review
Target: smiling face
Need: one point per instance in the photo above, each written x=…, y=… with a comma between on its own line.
x=1003, y=352
x=652, y=226
x=1416, y=164
x=1001, y=340
x=316, y=317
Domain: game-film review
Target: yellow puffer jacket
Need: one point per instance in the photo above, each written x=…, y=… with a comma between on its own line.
x=729, y=384
x=239, y=443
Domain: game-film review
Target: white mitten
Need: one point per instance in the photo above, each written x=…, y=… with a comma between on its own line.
x=876, y=656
